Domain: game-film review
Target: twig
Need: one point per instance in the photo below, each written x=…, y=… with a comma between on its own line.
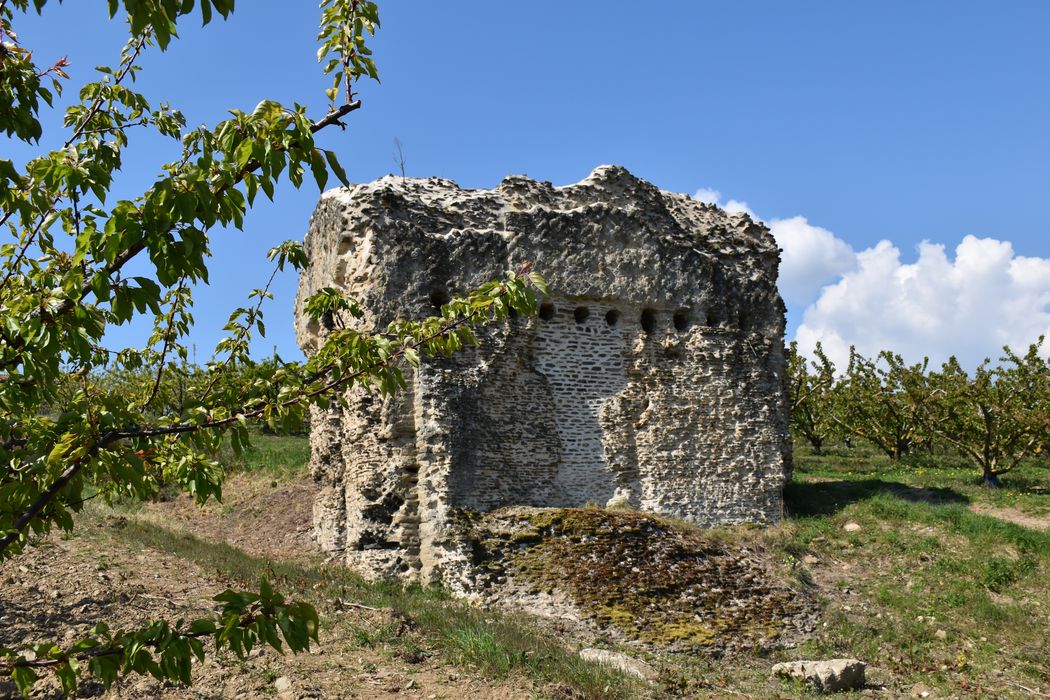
x=334, y=116
x=1026, y=689
x=97, y=104
x=8, y=667
x=242, y=332
x=168, y=342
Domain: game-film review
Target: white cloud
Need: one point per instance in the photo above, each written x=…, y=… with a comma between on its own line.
x=812, y=257
x=707, y=195
x=969, y=306
x=734, y=206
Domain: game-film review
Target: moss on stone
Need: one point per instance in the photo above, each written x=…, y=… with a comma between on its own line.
x=639, y=576
x=691, y=633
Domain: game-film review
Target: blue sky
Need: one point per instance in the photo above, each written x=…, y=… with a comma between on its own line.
x=847, y=123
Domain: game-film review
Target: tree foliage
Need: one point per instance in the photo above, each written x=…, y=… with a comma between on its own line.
x=998, y=416
x=64, y=432
x=810, y=394
x=870, y=402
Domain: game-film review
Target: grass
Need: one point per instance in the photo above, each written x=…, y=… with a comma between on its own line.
x=1025, y=488
x=279, y=457
x=932, y=586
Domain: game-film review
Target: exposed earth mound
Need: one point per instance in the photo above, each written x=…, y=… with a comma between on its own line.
x=631, y=578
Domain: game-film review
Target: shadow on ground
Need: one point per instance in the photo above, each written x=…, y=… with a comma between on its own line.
x=813, y=498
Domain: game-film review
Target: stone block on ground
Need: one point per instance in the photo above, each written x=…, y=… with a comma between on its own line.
x=619, y=661
x=826, y=676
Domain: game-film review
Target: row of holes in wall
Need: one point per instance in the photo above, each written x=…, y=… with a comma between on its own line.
x=647, y=319
x=681, y=318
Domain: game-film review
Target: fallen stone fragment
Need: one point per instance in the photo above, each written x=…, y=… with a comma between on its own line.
x=921, y=690
x=826, y=676
x=622, y=662
x=851, y=527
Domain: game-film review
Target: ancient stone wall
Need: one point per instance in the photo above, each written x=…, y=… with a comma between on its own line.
x=652, y=378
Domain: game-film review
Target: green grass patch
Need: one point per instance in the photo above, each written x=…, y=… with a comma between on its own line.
x=279, y=457
x=933, y=586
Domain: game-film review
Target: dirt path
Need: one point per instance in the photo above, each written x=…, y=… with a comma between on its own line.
x=1013, y=515
x=59, y=589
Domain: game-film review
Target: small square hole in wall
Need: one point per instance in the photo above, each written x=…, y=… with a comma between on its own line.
x=438, y=298
x=612, y=317
x=547, y=311
x=581, y=313
x=648, y=320
x=681, y=320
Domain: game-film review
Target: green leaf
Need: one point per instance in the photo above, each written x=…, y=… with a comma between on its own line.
x=243, y=153
x=336, y=168
x=24, y=678
x=539, y=282
x=317, y=166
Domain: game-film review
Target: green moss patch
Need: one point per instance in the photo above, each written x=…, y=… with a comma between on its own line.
x=639, y=577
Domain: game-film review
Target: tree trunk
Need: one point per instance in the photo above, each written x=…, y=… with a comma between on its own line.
x=990, y=479
x=818, y=445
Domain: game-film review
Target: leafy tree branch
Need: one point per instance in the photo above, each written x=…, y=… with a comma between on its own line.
x=79, y=420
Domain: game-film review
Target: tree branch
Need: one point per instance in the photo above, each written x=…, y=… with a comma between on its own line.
x=8, y=667
x=129, y=253
x=114, y=436
x=335, y=116
x=168, y=342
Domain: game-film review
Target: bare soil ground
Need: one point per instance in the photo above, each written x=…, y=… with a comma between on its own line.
x=1013, y=515
x=59, y=589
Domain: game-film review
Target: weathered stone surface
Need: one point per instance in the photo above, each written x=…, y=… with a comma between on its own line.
x=628, y=577
x=621, y=662
x=652, y=379
x=826, y=676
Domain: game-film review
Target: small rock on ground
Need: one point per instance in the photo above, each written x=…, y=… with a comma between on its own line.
x=826, y=676
x=623, y=662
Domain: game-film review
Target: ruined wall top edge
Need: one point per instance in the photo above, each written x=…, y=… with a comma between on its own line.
x=401, y=244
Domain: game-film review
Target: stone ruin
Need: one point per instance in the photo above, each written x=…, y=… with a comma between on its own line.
x=653, y=377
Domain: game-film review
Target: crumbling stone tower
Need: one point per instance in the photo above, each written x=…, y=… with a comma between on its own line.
x=652, y=378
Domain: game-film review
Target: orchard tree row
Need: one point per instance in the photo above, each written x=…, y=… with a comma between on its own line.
x=997, y=416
